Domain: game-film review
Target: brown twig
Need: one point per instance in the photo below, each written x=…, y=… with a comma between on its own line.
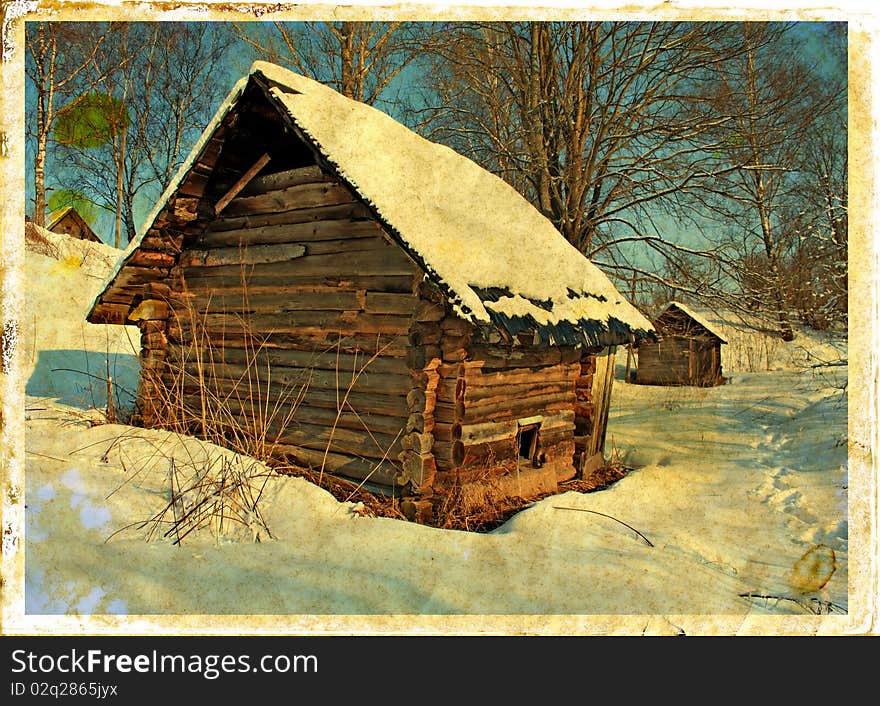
x=602, y=514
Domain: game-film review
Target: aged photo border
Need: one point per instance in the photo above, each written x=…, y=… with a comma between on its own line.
x=864, y=32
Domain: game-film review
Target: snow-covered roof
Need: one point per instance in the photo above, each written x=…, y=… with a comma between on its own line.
x=699, y=318
x=499, y=260
x=56, y=216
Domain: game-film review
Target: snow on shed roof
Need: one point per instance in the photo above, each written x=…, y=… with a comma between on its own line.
x=501, y=260
x=699, y=318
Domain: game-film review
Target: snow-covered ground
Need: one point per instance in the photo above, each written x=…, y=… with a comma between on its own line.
x=741, y=491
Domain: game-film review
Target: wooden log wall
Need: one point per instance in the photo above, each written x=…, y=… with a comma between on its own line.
x=585, y=410
x=664, y=363
x=484, y=389
x=292, y=301
x=423, y=358
x=151, y=263
x=706, y=363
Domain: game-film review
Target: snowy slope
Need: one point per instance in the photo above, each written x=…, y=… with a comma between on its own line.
x=66, y=357
x=730, y=499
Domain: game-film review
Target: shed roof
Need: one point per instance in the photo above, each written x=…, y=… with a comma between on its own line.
x=55, y=217
x=699, y=318
x=498, y=259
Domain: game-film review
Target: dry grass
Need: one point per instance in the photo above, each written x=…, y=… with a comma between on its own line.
x=250, y=414
x=469, y=507
x=247, y=414
x=222, y=495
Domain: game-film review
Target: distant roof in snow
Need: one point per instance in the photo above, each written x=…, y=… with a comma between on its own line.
x=699, y=318
x=58, y=215
x=498, y=258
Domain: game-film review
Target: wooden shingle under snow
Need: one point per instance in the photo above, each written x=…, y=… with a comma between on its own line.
x=688, y=352
x=428, y=325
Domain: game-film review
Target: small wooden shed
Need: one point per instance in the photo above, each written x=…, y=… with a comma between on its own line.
x=435, y=328
x=68, y=221
x=688, y=352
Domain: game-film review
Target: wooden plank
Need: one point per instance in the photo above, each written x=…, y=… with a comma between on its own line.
x=499, y=357
x=308, y=232
x=380, y=472
x=300, y=322
x=250, y=255
x=252, y=277
x=143, y=257
x=502, y=398
x=132, y=275
x=367, y=381
x=378, y=403
x=387, y=261
x=514, y=408
x=241, y=183
x=354, y=212
x=266, y=303
x=517, y=376
x=484, y=453
x=320, y=360
x=391, y=303
x=291, y=199
x=289, y=177
x=385, y=345
x=602, y=381
x=347, y=441
x=297, y=413
x=481, y=397
x=471, y=434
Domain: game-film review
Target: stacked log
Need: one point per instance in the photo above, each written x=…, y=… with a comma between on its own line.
x=483, y=394
x=293, y=308
x=423, y=359
x=152, y=262
x=151, y=316
x=584, y=411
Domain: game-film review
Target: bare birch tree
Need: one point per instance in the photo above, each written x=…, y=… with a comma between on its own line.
x=58, y=62
x=766, y=88
x=817, y=276
x=165, y=77
x=358, y=59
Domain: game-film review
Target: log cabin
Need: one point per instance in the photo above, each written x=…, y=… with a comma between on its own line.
x=688, y=352
x=67, y=221
x=421, y=322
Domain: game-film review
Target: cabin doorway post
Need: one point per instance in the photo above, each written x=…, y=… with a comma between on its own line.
x=603, y=378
